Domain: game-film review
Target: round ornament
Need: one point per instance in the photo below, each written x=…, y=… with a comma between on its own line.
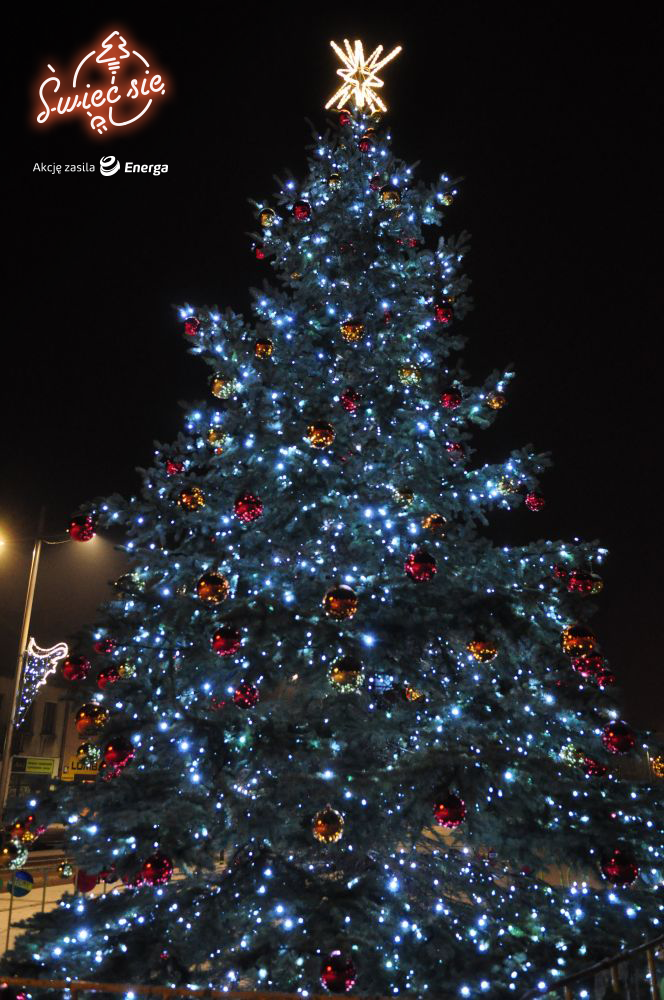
x=259, y=251
x=85, y=882
x=482, y=650
x=447, y=199
x=267, y=217
x=328, y=825
x=105, y=646
x=352, y=330
x=246, y=695
x=82, y=528
x=449, y=811
x=410, y=375
x=579, y=582
x=618, y=738
x=534, y=502
x=192, y=498
x=248, y=508
x=451, y=399
x=320, y=435
x=560, y=571
x=404, y=496
x=217, y=437
x=350, y=400
x=65, y=869
x=619, y=867
x=75, y=668
x=223, y=387
x=577, y=640
x=226, y=641
x=365, y=145
x=435, y=524
x=90, y=753
x=496, y=400
x=589, y=665
x=156, y=870
x=263, y=349
x=337, y=973
x=345, y=117
x=443, y=313
x=390, y=196
x=191, y=326
x=375, y=182
x=302, y=211
x=420, y=566
x=334, y=181
x=126, y=670
x=213, y=588
x=118, y=751
x=507, y=486
x=346, y=674
x=90, y=718
x=593, y=768
x=455, y=450
x=109, y=675
x=605, y=678
x=340, y=603
x=174, y=468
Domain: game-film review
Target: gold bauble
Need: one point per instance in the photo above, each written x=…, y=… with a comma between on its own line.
x=334, y=181
x=267, y=217
x=13, y=855
x=295, y=276
x=126, y=669
x=657, y=765
x=213, y=588
x=390, y=196
x=352, y=330
x=346, y=674
x=597, y=584
x=263, y=349
x=410, y=375
x=328, y=825
x=217, y=437
x=571, y=756
x=482, y=650
x=90, y=718
x=192, y=498
x=412, y=694
x=340, y=602
x=507, y=486
x=496, y=400
x=223, y=387
x=435, y=523
x=578, y=640
x=320, y=435
x=447, y=199
x=65, y=869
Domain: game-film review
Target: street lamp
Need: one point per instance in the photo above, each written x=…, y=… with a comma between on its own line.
x=5, y=771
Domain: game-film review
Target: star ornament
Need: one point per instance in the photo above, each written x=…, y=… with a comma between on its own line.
x=360, y=76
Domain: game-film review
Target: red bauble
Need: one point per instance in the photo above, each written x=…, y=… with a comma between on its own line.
x=593, y=768
x=104, y=646
x=619, y=867
x=387, y=317
x=455, y=450
x=108, y=676
x=345, y=117
x=580, y=582
x=84, y=881
x=82, y=528
x=365, y=145
x=420, y=566
x=259, y=252
x=174, y=468
x=248, y=508
x=226, y=641
x=376, y=182
x=588, y=666
x=118, y=751
x=449, y=811
x=246, y=695
x=443, y=313
x=560, y=571
x=534, y=501
x=350, y=400
x=605, y=678
x=337, y=973
x=302, y=210
x=157, y=869
x=451, y=398
x=618, y=738
x=191, y=326
x=75, y=668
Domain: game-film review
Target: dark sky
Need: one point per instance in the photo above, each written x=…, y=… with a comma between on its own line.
x=553, y=123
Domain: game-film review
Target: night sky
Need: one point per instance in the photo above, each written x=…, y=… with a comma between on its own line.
x=552, y=122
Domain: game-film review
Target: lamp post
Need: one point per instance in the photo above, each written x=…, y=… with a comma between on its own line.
x=5, y=772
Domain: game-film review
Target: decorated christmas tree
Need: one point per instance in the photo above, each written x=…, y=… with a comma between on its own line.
x=344, y=737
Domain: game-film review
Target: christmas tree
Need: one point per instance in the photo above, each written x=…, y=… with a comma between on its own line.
x=345, y=738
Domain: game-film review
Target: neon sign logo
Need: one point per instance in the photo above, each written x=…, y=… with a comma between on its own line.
x=113, y=86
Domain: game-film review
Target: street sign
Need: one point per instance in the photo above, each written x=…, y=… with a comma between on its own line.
x=78, y=769
x=34, y=765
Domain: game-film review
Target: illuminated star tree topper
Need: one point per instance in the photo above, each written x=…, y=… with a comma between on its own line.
x=360, y=76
